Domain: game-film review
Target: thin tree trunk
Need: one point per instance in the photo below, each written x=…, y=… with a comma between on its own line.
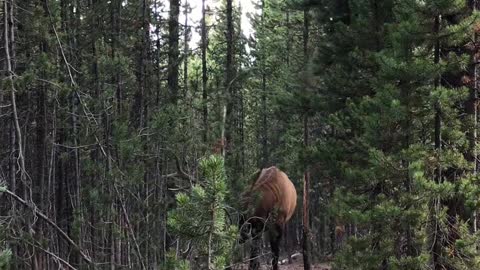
x=158, y=52
x=409, y=249
x=474, y=98
x=228, y=82
x=129, y=227
x=115, y=14
x=8, y=46
x=16, y=152
x=306, y=177
x=73, y=188
x=95, y=179
x=204, y=74
x=108, y=232
x=173, y=50
x=436, y=250
x=306, y=185
x=289, y=243
x=163, y=208
x=210, y=258
x=138, y=109
x=264, y=127
x=288, y=40
x=185, y=49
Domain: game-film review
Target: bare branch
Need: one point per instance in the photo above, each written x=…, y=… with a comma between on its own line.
x=41, y=215
x=127, y=219
x=54, y=256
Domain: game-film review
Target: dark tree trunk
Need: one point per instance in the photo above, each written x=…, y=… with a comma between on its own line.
x=306, y=220
x=204, y=74
x=264, y=127
x=436, y=250
x=173, y=52
x=306, y=177
x=185, y=49
x=139, y=108
x=228, y=82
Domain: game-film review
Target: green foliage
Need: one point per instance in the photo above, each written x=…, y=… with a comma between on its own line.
x=5, y=258
x=367, y=80
x=381, y=85
x=5, y=252
x=200, y=215
x=172, y=263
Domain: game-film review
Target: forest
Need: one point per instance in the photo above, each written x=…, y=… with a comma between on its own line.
x=133, y=134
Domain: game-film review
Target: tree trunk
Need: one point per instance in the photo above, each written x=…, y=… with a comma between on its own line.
x=264, y=127
x=306, y=185
x=473, y=155
x=185, y=49
x=138, y=108
x=204, y=74
x=9, y=47
x=115, y=14
x=436, y=250
x=173, y=52
x=306, y=177
x=289, y=243
x=16, y=145
x=158, y=47
x=228, y=82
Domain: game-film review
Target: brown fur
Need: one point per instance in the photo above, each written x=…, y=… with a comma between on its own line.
x=272, y=193
x=272, y=198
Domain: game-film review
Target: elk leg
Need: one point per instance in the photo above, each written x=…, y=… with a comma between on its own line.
x=254, y=264
x=257, y=231
x=275, y=237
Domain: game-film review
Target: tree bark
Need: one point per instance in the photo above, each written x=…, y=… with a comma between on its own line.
x=139, y=109
x=306, y=177
x=8, y=46
x=204, y=74
x=264, y=127
x=306, y=185
x=436, y=250
x=474, y=111
x=173, y=52
x=228, y=82
x=185, y=49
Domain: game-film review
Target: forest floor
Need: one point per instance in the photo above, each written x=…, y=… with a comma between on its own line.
x=293, y=266
x=297, y=264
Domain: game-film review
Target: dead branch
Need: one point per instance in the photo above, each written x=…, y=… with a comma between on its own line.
x=180, y=173
x=10, y=72
x=41, y=215
x=72, y=81
x=54, y=256
x=125, y=214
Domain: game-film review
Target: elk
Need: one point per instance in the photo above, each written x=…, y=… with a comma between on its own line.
x=268, y=204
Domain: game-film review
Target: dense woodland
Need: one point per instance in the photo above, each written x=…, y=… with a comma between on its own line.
x=126, y=145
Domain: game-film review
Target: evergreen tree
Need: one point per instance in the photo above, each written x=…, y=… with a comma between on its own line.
x=209, y=230
x=106, y=108
x=383, y=132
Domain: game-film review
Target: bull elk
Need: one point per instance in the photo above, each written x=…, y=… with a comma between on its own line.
x=268, y=204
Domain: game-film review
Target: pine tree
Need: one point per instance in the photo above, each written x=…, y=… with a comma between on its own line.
x=209, y=230
x=386, y=157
